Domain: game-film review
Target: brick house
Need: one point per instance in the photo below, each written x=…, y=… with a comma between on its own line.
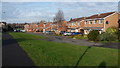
x=101, y=22
x=63, y=26
x=38, y=27
x=58, y=27
x=76, y=25
x=26, y=27
x=30, y=27
x=47, y=27
x=95, y=22
x=84, y=24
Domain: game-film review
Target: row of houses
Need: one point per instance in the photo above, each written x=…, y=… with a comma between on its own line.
x=84, y=25
x=45, y=26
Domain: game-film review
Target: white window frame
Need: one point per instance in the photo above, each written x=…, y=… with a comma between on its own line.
x=95, y=21
x=90, y=22
x=100, y=21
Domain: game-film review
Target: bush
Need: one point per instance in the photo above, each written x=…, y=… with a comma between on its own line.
x=79, y=37
x=93, y=35
x=111, y=30
x=107, y=37
x=111, y=34
x=118, y=35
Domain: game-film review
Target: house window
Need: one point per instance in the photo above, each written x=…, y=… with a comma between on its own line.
x=72, y=23
x=101, y=21
x=90, y=22
x=107, y=22
x=86, y=22
x=95, y=22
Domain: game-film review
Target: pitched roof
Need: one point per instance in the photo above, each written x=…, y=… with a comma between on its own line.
x=93, y=28
x=77, y=19
x=102, y=15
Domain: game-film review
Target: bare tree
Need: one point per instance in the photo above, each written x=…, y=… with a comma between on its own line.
x=59, y=21
x=59, y=17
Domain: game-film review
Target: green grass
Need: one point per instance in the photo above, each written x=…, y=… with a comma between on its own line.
x=78, y=37
x=96, y=56
x=46, y=53
x=20, y=35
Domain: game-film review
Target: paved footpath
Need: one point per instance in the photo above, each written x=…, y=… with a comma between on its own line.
x=13, y=54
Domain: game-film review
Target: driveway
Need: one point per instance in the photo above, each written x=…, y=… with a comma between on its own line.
x=82, y=42
x=13, y=54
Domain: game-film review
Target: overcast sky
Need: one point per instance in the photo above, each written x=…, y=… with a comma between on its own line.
x=20, y=12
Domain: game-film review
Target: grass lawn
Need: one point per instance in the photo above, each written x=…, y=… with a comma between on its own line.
x=47, y=53
x=78, y=37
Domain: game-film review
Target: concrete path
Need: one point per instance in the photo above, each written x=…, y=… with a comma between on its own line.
x=82, y=42
x=13, y=54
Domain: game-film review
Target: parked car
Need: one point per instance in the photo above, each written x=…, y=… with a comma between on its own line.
x=22, y=30
x=62, y=32
x=76, y=33
x=49, y=32
x=16, y=30
x=67, y=33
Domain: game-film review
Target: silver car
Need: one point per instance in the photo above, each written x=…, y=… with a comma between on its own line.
x=67, y=33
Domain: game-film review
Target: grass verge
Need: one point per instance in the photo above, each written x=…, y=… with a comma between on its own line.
x=46, y=53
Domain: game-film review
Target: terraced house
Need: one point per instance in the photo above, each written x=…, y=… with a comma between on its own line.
x=38, y=27
x=101, y=22
x=95, y=22
x=84, y=25
x=76, y=25
x=30, y=27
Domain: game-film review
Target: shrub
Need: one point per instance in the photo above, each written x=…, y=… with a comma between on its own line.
x=75, y=36
x=118, y=35
x=79, y=37
x=93, y=35
x=107, y=37
x=111, y=34
x=111, y=30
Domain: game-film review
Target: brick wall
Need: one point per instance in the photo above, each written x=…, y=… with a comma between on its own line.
x=112, y=21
